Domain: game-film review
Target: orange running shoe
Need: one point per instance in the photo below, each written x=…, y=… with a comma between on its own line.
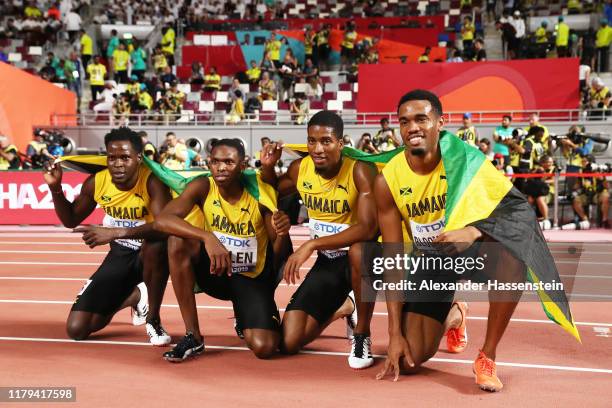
x=485, y=372
x=456, y=338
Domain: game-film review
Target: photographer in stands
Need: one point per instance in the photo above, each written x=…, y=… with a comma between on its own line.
x=365, y=144
x=385, y=138
x=9, y=157
x=37, y=150
x=591, y=190
x=540, y=191
x=599, y=99
x=574, y=147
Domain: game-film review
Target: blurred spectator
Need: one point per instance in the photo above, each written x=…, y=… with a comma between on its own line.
x=72, y=69
x=97, y=73
x=122, y=108
x=602, y=42
x=267, y=65
x=584, y=75
x=347, y=141
x=3, y=56
x=562, y=39
x=424, y=58
x=534, y=121
x=236, y=113
x=541, y=40
x=273, y=48
x=168, y=43
x=172, y=101
x=120, y=64
x=347, y=47
x=516, y=44
x=385, y=138
x=133, y=86
x=599, y=99
x=86, y=48
x=236, y=87
x=37, y=151
x=456, y=57
x=309, y=42
x=54, y=12
x=160, y=63
x=574, y=7
x=365, y=144
x=467, y=33
x=468, y=132
x=113, y=44
x=138, y=56
x=484, y=145
x=253, y=73
x=310, y=75
x=197, y=73
x=172, y=153
x=32, y=11
x=591, y=191
x=300, y=109
x=145, y=100
x=501, y=135
x=149, y=149
x=9, y=155
x=287, y=74
x=72, y=22
x=323, y=47
x=574, y=147
x=481, y=53
x=167, y=77
x=267, y=88
x=107, y=98
x=212, y=81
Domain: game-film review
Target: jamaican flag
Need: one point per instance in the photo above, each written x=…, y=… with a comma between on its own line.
x=177, y=181
x=479, y=195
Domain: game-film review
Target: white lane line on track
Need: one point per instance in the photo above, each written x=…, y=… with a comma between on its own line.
x=318, y=353
x=206, y=307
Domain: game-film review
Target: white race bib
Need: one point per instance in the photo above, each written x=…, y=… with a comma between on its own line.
x=424, y=234
x=320, y=229
x=111, y=222
x=242, y=250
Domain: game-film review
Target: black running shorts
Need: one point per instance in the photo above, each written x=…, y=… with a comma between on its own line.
x=324, y=289
x=113, y=282
x=252, y=298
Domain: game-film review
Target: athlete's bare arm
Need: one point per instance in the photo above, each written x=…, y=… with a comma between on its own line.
x=365, y=229
x=171, y=221
x=160, y=196
x=277, y=227
x=390, y=221
x=286, y=183
x=73, y=213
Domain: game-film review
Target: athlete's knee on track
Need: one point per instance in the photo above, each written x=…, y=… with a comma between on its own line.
x=77, y=330
x=291, y=343
x=263, y=348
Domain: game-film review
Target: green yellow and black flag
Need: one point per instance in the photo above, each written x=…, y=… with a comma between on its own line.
x=177, y=181
x=479, y=195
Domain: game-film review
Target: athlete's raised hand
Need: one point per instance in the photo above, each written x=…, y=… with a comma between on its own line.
x=281, y=223
x=295, y=261
x=397, y=354
x=457, y=241
x=271, y=154
x=220, y=259
x=52, y=173
x=95, y=235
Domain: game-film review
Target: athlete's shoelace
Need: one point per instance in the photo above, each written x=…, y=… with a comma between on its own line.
x=157, y=327
x=186, y=343
x=359, y=345
x=486, y=366
x=456, y=337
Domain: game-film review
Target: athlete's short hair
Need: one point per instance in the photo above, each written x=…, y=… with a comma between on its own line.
x=422, y=95
x=235, y=143
x=328, y=119
x=507, y=117
x=124, y=133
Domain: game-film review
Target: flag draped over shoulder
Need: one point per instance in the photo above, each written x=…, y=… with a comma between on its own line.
x=479, y=195
x=177, y=181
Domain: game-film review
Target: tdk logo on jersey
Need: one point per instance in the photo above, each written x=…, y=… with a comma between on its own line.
x=307, y=185
x=125, y=223
x=404, y=192
x=238, y=243
x=327, y=228
x=437, y=226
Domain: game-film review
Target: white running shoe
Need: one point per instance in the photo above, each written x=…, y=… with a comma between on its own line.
x=361, y=352
x=157, y=334
x=545, y=225
x=584, y=225
x=351, y=320
x=140, y=312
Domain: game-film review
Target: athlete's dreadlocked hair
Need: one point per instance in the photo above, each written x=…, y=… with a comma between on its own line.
x=328, y=119
x=235, y=143
x=124, y=133
x=422, y=95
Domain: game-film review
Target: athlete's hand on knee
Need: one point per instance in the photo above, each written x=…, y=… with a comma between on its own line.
x=397, y=354
x=454, y=242
x=271, y=154
x=295, y=261
x=220, y=260
x=52, y=174
x=95, y=236
x=281, y=223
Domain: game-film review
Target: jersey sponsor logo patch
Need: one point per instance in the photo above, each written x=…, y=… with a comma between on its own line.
x=105, y=199
x=307, y=185
x=405, y=192
x=246, y=210
x=423, y=235
x=341, y=187
x=216, y=203
x=243, y=251
x=442, y=177
x=320, y=229
x=138, y=196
